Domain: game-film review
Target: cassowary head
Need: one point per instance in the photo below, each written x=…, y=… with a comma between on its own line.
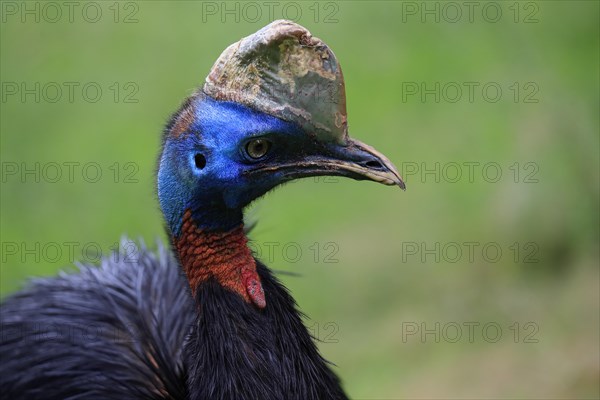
x=272, y=109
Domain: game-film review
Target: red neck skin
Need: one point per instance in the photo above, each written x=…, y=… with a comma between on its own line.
x=223, y=256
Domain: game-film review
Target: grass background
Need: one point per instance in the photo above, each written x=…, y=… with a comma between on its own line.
x=361, y=305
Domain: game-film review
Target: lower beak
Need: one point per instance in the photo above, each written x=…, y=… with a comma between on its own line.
x=354, y=160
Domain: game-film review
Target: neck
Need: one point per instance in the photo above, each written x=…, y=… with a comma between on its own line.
x=238, y=347
x=220, y=254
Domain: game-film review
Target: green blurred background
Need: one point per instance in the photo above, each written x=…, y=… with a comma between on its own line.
x=373, y=286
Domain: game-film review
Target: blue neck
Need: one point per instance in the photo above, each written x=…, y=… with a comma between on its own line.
x=175, y=197
x=210, y=215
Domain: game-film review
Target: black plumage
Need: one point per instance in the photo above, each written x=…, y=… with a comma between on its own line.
x=109, y=332
x=122, y=331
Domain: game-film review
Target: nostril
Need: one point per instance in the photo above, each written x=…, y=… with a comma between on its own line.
x=374, y=164
x=200, y=161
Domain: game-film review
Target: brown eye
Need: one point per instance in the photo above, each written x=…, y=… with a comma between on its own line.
x=257, y=148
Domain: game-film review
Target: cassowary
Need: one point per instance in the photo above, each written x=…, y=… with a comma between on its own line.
x=205, y=320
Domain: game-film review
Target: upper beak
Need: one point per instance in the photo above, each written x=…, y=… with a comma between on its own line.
x=353, y=160
x=360, y=161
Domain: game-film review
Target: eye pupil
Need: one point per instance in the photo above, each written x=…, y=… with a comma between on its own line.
x=200, y=161
x=257, y=148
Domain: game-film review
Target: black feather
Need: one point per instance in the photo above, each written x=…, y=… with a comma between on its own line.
x=129, y=329
x=239, y=352
x=111, y=332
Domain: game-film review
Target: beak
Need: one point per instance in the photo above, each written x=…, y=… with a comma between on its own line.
x=362, y=162
x=354, y=160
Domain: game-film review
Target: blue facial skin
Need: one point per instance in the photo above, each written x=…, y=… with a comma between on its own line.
x=217, y=191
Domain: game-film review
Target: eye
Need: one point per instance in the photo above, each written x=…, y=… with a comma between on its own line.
x=257, y=148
